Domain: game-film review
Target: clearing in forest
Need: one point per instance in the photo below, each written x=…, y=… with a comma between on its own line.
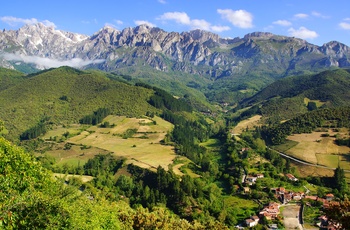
x=248, y=123
x=136, y=139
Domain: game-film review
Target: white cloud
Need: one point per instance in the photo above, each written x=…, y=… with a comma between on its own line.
x=50, y=63
x=301, y=16
x=200, y=24
x=119, y=22
x=183, y=19
x=238, y=18
x=178, y=17
x=107, y=24
x=346, y=19
x=141, y=22
x=48, y=23
x=303, y=33
x=162, y=1
x=13, y=21
x=319, y=15
x=282, y=23
x=344, y=25
x=219, y=29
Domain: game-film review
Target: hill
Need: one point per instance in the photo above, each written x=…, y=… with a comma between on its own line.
x=291, y=96
x=65, y=95
x=9, y=78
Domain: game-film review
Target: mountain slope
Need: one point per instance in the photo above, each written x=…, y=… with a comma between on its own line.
x=9, y=78
x=286, y=97
x=66, y=95
x=250, y=62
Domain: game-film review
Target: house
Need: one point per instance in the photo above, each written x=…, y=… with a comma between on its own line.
x=252, y=221
x=250, y=180
x=291, y=177
x=255, y=218
x=270, y=211
x=329, y=197
x=297, y=196
x=279, y=191
x=259, y=175
x=246, y=190
x=311, y=197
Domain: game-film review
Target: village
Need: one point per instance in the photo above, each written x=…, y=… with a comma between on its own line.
x=271, y=211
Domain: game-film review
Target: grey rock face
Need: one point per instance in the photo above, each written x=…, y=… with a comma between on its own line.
x=195, y=52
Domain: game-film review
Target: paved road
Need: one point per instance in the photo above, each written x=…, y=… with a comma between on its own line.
x=303, y=162
x=291, y=217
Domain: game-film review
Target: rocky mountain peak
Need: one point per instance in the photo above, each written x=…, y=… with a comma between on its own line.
x=203, y=36
x=260, y=35
x=334, y=47
x=196, y=52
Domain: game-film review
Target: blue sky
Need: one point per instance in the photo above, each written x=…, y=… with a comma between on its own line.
x=317, y=21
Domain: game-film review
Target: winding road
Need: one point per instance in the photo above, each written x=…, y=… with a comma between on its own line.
x=303, y=162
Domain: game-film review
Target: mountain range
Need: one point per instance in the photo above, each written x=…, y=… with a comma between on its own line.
x=239, y=64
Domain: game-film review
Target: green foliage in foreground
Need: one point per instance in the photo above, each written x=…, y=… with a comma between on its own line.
x=30, y=198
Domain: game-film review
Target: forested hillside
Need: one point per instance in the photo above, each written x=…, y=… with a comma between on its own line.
x=9, y=78
x=65, y=95
x=293, y=96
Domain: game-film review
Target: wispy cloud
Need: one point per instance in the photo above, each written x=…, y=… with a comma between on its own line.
x=142, y=22
x=219, y=29
x=118, y=22
x=183, y=19
x=319, y=15
x=162, y=1
x=238, y=18
x=93, y=21
x=301, y=16
x=302, y=33
x=13, y=21
x=282, y=23
x=50, y=63
x=178, y=17
x=344, y=25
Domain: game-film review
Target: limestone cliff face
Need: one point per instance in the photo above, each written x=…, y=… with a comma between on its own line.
x=195, y=52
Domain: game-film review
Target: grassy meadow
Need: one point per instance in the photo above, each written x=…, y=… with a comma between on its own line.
x=317, y=148
x=136, y=139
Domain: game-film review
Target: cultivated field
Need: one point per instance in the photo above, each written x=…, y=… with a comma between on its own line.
x=248, y=123
x=315, y=149
x=143, y=148
x=136, y=139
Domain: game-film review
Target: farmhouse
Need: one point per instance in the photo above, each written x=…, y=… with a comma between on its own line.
x=250, y=180
x=246, y=190
x=329, y=197
x=270, y=211
x=252, y=221
x=259, y=175
x=291, y=177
